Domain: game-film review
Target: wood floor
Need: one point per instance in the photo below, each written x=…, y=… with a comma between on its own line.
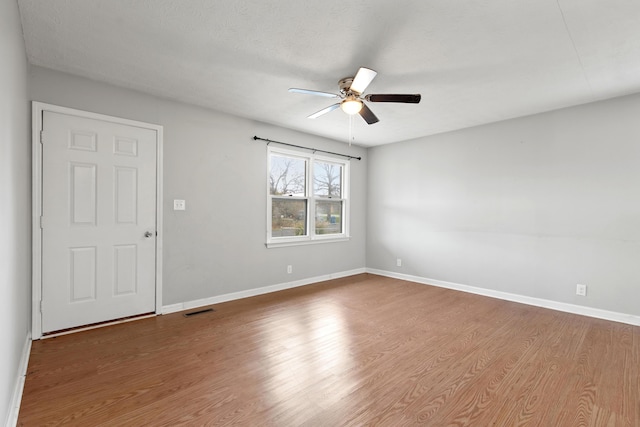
x=364, y=350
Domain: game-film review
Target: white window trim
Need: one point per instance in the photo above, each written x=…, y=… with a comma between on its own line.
x=311, y=238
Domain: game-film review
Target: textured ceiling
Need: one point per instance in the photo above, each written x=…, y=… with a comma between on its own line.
x=474, y=62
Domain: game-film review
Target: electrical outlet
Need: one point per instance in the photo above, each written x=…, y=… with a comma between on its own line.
x=399, y=262
x=179, y=205
x=581, y=290
x=289, y=269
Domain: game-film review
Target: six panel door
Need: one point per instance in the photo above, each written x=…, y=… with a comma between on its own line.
x=99, y=221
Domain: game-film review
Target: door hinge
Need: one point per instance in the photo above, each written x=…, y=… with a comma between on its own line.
x=41, y=137
x=41, y=306
x=41, y=222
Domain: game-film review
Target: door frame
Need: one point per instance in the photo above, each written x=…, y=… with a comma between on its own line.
x=37, y=110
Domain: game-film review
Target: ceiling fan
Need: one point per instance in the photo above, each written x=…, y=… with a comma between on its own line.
x=351, y=91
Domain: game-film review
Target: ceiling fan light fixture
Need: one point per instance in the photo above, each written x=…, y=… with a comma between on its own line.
x=351, y=106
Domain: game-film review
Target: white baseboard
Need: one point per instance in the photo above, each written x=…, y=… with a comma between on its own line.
x=256, y=291
x=538, y=302
x=12, y=419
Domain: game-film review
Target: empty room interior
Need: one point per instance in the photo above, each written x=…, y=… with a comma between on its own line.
x=329, y=213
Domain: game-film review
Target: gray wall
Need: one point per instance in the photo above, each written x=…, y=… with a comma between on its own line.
x=15, y=202
x=530, y=206
x=217, y=245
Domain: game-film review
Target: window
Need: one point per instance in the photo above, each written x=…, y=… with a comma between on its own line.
x=306, y=198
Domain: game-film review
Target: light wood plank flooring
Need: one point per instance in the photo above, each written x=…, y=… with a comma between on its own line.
x=363, y=350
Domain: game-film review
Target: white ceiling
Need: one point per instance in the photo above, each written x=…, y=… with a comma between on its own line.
x=474, y=62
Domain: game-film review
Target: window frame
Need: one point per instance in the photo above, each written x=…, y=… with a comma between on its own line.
x=311, y=237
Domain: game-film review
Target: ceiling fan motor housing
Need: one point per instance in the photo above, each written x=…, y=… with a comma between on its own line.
x=345, y=84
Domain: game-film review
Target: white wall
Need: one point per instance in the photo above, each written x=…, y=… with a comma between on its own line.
x=15, y=202
x=530, y=206
x=216, y=246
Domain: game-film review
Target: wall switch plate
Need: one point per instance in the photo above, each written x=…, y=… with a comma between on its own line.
x=289, y=269
x=581, y=290
x=399, y=262
x=179, y=205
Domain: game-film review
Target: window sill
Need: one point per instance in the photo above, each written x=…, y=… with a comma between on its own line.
x=285, y=243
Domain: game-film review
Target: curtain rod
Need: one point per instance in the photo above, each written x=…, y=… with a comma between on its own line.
x=256, y=138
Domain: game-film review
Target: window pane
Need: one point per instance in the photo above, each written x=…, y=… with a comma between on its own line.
x=287, y=176
x=328, y=217
x=288, y=217
x=327, y=179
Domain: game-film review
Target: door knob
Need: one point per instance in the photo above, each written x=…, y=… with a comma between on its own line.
x=148, y=234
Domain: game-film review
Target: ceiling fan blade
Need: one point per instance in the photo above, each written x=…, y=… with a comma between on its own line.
x=313, y=92
x=405, y=98
x=368, y=115
x=362, y=79
x=329, y=109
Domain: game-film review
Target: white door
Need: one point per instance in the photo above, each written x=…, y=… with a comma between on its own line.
x=98, y=221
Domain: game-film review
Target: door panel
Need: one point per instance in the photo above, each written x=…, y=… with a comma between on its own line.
x=82, y=192
x=82, y=279
x=98, y=201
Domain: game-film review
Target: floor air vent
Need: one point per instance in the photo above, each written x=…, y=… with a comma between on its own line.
x=193, y=313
